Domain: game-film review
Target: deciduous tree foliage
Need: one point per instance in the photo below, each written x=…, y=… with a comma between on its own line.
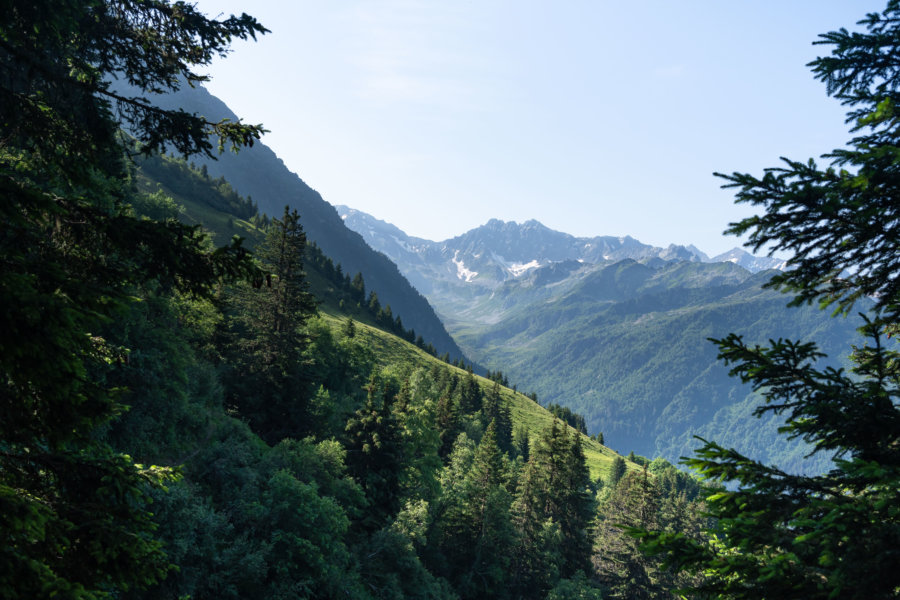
x=72, y=511
x=837, y=534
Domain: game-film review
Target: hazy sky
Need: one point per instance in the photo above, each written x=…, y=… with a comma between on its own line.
x=595, y=118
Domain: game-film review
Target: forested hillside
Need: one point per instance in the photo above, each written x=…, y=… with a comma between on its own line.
x=258, y=174
x=614, y=329
x=183, y=419
x=627, y=346
x=183, y=416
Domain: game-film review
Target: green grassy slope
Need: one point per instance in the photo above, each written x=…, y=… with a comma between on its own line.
x=200, y=205
x=632, y=355
x=391, y=351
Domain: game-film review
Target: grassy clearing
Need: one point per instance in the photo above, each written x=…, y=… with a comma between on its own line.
x=392, y=351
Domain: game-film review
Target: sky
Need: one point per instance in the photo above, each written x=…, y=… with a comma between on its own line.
x=595, y=117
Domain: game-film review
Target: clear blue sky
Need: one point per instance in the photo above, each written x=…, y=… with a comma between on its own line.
x=595, y=118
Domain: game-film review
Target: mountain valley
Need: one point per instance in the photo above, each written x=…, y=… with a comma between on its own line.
x=614, y=329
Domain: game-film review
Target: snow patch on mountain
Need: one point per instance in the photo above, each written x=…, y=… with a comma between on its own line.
x=750, y=262
x=518, y=269
x=461, y=271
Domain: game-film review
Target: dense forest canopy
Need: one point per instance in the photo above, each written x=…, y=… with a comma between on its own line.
x=73, y=512
x=288, y=463
x=181, y=420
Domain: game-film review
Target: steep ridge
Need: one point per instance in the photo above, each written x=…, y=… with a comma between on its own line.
x=197, y=199
x=258, y=173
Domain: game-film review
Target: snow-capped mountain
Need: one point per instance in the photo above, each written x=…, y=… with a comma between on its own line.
x=464, y=277
x=752, y=263
x=501, y=250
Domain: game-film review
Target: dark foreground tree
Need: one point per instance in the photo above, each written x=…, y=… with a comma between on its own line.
x=267, y=381
x=834, y=535
x=73, y=521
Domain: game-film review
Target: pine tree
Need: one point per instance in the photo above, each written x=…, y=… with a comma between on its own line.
x=470, y=396
x=616, y=471
x=521, y=442
x=73, y=513
x=477, y=531
x=290, y=304
x=358, y=285
x=836, y=534
x=266, y=380
x=553, y=512
x=374, y=304
x=577, y=516
x=349, y=328
x=537, y=558
x=495, y=408
x=447, y=423
x=374, y=454
x=624, y=570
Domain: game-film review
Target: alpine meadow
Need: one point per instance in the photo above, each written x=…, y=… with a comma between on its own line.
x=218, y=385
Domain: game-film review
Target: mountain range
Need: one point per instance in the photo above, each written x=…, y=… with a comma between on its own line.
x=612, y=328
x=608, y=326
x=454, y=272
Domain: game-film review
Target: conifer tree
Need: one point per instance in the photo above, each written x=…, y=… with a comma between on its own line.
x=495, y=408
x=833, y=534
x=521, y=443
x=477, y=531
x=553, y=513
x=358, y=285
x=470, y=396
x=577, y=517
x=624, y=570
x=266, y=380
x=537, y=558
x=374, y=454
x=616, y=471
x=349, y=328
x=73, y=512
x=374, y=304
x=447, y=423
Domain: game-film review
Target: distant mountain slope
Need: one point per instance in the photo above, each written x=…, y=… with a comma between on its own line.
x=627, y=347
x=748, y=261
x=257, y=172
x=454, y=272
x=615, y=329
